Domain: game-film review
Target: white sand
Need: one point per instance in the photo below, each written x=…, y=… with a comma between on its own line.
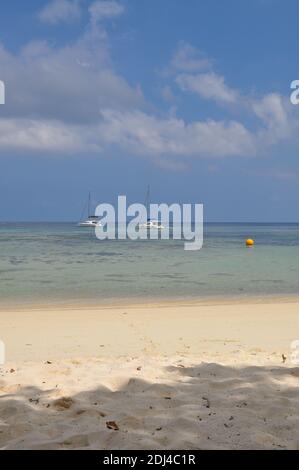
x=190, y=376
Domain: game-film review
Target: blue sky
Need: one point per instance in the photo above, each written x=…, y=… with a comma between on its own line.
x=108, y=96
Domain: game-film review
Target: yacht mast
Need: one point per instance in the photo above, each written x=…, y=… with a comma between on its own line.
x=89, y=202
x=147, y=201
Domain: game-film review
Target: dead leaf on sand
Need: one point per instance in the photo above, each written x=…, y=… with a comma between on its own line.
x=34, y=400
x=112, y=425
x=207, y=402
x=284, y=358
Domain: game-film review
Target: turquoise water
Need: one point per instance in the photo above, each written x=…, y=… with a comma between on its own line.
x=61, y=263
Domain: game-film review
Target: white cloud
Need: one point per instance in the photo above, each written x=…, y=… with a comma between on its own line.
x=168, y=141
x=274, y=118
x=279, y=119
x=145, y=134
x=22, y=135
x=70, y=99
x=271, y=110
x=61, y=10
x=72, y=83
x=189, y=59
x=190, y=67
x=208, y=86
x=134, y=131
x=104, y=9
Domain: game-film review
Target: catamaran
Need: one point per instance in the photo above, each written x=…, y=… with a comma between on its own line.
x=92, y=220
x=150, y=223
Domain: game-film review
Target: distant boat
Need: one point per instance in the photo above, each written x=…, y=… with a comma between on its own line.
x=150, y=223
x=92, y=220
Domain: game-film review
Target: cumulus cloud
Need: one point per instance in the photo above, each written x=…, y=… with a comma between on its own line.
x=189, y=59
x=70, y=99
x=272, y=110
x=71, y=83
x=280, y=122
x=146, y=134
x=22, y=135
x=104, y=9
x=135, y=131
x=275, y=119
x=60, y=11
x=208, y=86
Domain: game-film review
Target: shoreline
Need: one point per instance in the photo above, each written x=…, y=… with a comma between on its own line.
x=150, y=303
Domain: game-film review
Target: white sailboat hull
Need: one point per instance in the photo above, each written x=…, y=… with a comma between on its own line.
x=89, y=224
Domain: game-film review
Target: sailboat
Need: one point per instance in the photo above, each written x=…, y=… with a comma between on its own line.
x=150, y=223
x=92, y=220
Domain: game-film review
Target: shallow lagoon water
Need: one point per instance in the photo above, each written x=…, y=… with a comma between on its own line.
x=62, y=263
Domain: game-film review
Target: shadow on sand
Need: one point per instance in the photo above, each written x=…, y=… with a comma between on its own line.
x=208, y=406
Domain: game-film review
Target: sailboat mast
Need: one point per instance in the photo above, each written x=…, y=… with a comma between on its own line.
x=147, y=198
x=147, y=201
x=89, y=201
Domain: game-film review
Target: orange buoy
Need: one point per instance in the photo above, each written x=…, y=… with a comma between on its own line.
x=249, y=242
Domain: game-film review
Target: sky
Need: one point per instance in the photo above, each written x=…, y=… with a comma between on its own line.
x=191, y=97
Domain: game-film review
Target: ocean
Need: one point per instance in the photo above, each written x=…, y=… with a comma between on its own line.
x=60, y=263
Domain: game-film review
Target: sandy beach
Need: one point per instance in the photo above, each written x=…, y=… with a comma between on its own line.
x=214, y=375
